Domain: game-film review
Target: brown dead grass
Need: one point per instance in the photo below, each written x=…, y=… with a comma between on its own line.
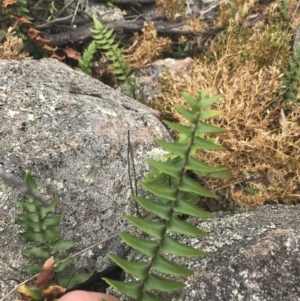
x=11, y=48
x=147, y=47
x=263, y=135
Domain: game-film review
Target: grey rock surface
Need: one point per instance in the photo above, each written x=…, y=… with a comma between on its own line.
x=147, y=77
x=104, y=11
x=251, y=256
x=70, y=131
x=297, y=39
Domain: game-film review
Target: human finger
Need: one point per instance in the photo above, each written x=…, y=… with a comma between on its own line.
x=87, y=296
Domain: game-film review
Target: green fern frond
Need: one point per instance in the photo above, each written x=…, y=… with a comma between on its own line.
x=104, y=40
x=19, y=7
x=37, y=222
x=283, y=5
x=85, y=63
x=173, y=190
x=291, y=80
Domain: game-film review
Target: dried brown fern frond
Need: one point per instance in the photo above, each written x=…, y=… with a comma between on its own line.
x=146, y=48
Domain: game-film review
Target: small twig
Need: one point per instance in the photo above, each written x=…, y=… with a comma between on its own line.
x=37, y=4
x=78, y=253
x=6, y=18
x=131, y=159
x=57, y=20
x=133, y=168
x=75, y=13
x=10, y=279
x=208, y=9
x=22, y=187
x=73, y=272
x=64, y=8
x=11, y=291
x=139, y=15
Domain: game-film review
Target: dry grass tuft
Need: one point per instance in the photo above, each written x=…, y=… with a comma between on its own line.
x=263, y=138
x=293, y=4
x=171, y=8
x=146, y=48
x=11, y=48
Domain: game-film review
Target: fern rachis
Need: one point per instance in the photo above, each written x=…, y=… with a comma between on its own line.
x=172, y=201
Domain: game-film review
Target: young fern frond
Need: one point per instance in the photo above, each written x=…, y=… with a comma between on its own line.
x=104, y=40
x=19, y=7
x=173, y=190
x=291, y=80
x=85, y=63
x=283, y=5
x=38, y=222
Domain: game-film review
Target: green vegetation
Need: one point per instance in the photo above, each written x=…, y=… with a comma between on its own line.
x=283, y=4
x=104, y=40
x=291, y=81
x=37, y=222
x=245, y=64
x=174, y=193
